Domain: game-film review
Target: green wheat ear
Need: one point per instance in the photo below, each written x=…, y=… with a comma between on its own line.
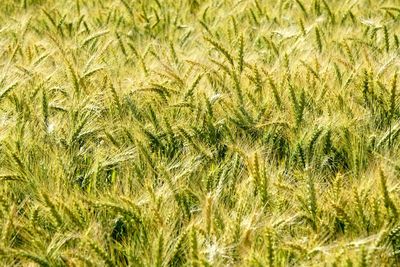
x=361, y=211
x=318, y=39
x=348, y=52
x=179, y=251
x=54, y=212
x=100, y=253
x=386, y=38
x=5, y=234
x=160, y=251
x=45, y=110
x=364, y=258
x=194, y=253
x=275, y=91
x=208, y=214
x=329, y=11
x=302, y=27
x=312, y=201
x=270, y=251
x=32, y=257
x=241, y=54
x=387, y=200
x=396, y=41
x=7, y=90
x=302, y=7
x=221, y=49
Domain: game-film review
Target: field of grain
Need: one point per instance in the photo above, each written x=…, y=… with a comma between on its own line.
x=199, y=133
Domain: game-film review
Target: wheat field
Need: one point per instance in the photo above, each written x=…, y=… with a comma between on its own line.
x=199, y=133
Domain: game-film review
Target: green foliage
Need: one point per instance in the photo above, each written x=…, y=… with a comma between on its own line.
x=199, y=133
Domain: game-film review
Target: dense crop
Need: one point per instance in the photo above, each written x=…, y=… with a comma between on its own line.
x=199, y=133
